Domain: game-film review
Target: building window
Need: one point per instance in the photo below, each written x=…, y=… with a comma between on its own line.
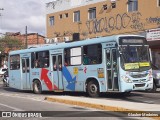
x=51, y=20
x=113, y=4
x=66, y=15
x=60, y=16
x=76, y=16
x=92, y=13
x=105, y=7
x=132, y=5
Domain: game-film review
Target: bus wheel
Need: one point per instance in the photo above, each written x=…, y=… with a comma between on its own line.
x=37, y=88
x=128, y=93
x=154, y=88
x=93, y=89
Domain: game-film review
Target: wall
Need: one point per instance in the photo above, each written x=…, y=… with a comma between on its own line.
x=108, y=22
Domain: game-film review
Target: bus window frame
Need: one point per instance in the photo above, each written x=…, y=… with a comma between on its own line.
x=38, y=61
x=66, y=63
x=15, y=63
x=100, y=62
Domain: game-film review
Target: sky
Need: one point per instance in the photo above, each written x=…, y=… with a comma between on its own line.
x=18, y=14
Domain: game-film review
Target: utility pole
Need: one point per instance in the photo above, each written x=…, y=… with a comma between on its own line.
x=26, y=41
x=37, y=39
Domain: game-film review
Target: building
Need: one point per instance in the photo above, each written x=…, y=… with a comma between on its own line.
x=81, y=19
x=32, y=40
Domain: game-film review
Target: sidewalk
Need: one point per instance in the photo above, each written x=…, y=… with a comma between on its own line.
x=104, y=104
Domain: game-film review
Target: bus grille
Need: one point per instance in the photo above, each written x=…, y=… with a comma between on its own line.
x=139, y=76
x=139, y=85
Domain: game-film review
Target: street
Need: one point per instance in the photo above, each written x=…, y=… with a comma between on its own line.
x=16, y=100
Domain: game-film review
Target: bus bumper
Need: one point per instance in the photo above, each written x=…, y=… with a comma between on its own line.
x=126, y=87
x=143, y=86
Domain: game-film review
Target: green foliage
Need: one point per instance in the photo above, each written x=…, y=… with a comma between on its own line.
x=10, y=42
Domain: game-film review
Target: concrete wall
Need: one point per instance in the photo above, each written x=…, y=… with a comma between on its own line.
x=108, y=22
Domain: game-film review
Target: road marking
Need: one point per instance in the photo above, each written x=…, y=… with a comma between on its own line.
x=14, y=108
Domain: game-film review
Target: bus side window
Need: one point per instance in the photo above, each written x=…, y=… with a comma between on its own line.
x=36, y=64
x=86, y=60
x=23, y=65
x=67, y=57
x=92, y=54
x=60, y=62
x=54, y=63
x=32, y=59
x=14, y=62
x=41, y=59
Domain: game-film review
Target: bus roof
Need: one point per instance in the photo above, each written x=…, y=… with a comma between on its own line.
x=69, y=44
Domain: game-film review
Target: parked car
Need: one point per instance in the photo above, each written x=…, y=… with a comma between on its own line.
x=156, y=78
x=2, y=71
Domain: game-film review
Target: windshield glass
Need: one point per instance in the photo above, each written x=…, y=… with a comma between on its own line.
x=135, y=58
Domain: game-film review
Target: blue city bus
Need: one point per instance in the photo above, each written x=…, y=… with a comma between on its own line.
x=119, y=63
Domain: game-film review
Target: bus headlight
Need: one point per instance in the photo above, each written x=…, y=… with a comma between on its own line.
x=126, y=79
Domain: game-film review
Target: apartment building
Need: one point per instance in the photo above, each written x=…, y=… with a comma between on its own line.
x=82, y=19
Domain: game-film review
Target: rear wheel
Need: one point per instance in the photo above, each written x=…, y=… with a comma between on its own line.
x=93, y=89
x=37, y=88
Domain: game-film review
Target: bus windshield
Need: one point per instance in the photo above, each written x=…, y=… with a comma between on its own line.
x=135, y=58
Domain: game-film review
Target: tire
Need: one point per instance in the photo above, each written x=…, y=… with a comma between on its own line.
x=154, y=88
x=93, y=89
x=37, y=88
x=127, y=93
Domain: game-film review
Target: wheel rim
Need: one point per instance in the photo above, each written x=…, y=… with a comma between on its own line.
x=37, y=87
x=93, y=88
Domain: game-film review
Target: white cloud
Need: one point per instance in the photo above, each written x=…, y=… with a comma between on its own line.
x=20, y=13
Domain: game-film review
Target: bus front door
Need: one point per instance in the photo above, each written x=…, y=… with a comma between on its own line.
x=26, y=73
x=57, y=71
x=112, y=70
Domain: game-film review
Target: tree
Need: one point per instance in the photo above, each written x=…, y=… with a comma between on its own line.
x=9, y=43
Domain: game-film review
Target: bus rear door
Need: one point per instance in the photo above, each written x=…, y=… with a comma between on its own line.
x=57, y=71
x=112, y=70
x=26, y=73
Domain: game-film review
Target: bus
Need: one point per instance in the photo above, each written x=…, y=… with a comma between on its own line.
x=119, y=63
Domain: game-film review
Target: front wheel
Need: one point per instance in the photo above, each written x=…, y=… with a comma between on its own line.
x=37, y=88
x=154, y=88
x=93, y=89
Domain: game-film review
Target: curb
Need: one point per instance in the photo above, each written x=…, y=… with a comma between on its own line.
x=96, y=106
x=86, y=104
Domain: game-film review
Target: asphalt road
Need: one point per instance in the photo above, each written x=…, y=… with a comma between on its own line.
x=16, y=100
